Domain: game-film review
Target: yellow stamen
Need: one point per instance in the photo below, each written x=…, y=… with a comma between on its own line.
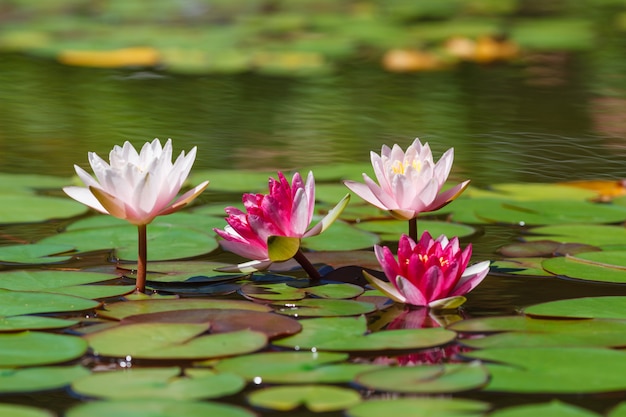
x=400, y=167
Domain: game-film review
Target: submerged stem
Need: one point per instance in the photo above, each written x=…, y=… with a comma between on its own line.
x=413, y=229
x=306, y=265
x=142, y=258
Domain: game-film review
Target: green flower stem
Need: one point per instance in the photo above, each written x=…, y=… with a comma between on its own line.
x=306, y=265
x=413, y=229
x=142, y=259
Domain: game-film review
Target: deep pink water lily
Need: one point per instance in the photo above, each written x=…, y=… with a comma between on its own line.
x=430, y=273
x=409, y=183
x=137, y=187
x=271, y=227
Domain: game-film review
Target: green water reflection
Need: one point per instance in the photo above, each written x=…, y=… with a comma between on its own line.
x=552, y=117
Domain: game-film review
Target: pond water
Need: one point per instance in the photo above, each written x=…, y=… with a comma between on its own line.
x=550, y=117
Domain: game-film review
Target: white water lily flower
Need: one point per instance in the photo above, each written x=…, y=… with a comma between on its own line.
x=137, y=187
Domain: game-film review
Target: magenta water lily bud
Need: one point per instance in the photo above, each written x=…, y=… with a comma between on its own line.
x=137, y=187
x=271, y=227
x=429, y=273
x=409, y=182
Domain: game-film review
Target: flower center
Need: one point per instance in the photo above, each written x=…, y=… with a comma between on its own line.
x=443, y=262
x=400, y=167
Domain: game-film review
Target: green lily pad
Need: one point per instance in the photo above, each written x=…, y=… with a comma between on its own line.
x=166, y=241
x=222, y=320
x=520, y=266
x=172, y=341
x=604, y=266
x=341, y=236
x=283, y=291
x=391, y=230
x=17, y=323
x=419, y=407
x=36, y=208
x=295, y=367
x=553, y=370
x=62, y=282
x=545, y=248
x=426, y=379
x=243, y=181
x=31, y=348
x=31, y=182
x=618, y=411
x=553, y=34
x=163, y=383
x=319, y=307
x=34, y=254
x=607, y=307
x=156, y=407
x=317, y=398
x=17, y=410
x=346, y=334
x=189, y=271
x=596, y=235
x=96, y=292
x=123, y=309
x=14, y=303
x=18, y=380
x=534, y=191
x=554, y=408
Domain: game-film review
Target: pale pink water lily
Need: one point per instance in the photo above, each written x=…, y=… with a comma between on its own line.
x=429, y=273
x=137, y=187
x=271, y=227
x=409, y=183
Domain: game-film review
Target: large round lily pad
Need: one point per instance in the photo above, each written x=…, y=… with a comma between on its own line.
x=419, y=407
x=602, y=266
x=318, y=307
x=553, y=408
x=16, y=323
x=317, y=398
x=18, y=380
x=164, y=383
x=32, y=348
x=34, y=254
x=607, y=307
x=156, y=407
x=13, y=303
x=18, y=410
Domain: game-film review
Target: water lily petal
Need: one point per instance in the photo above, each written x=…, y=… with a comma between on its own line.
x=385, y=287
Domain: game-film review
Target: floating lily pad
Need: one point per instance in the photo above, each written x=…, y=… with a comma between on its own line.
x=605, y=266
x=172, y=341
x=554, y=370
x=31, y=348
x=317, y=398
x=14, y=303
x=341, y=236
x=426, y=379
x=17, y=410
x=534, y=191
x=222, y=320
x=226, y=180
x=294, y=367
x=17, y=323
x=391, y=230
x=21, y=380
x=317, y=307
x=284, y=291
x=163, y=383
x=156, y=407
x=166, y=241
x=545, y=248
x=34, y=254
x=596, y=235
x=36, y=208
x=618, y=411
x=347, y=334
x=520, y=266
x=124, y=309
x=554, y=408
x=419, y=407
x=608, y=307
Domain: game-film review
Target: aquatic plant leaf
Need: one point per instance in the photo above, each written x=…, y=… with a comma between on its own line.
x=282, y=248
x=596, y=235
x=36, y=208
x=320, y=307
x=284, y=291
x=618, y=411
x=390, y=230
x=96, y=292
x=345, y=334
x=156, y=407
x=14, y=303
x=553, y=34
x=16, y=323
x=340, y=236
x=545, y=248
x=18, y=410
x=520, y=266
x=317, y=398
x=525, y=191
x=124, y=309
x=531, y=324
x=172, y=341
x=605, y=266
x=19, y=380
x=426, y=379
x=223, y=179
x=32, y=348
x=554, y=408
x=164, y=383
x=553, y=370
x=606, y=307
x=223, y=320
x=188, y=272
x=419, y=407
x=34, y=254
x=49, y=280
